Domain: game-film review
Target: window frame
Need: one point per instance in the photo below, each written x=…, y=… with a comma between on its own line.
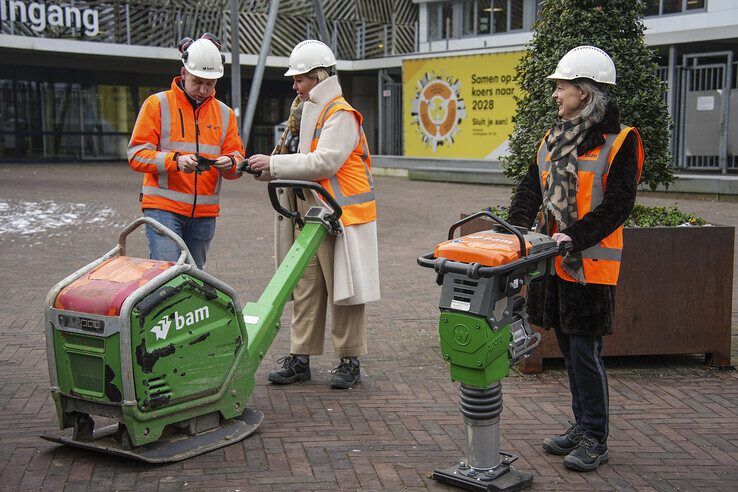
x=684, y=10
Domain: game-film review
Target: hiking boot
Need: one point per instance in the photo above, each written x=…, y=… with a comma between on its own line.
x=294, y=368
x=347, y=374
x=565, y=443
x=587, y=456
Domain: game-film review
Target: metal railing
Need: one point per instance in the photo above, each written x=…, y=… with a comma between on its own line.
x=357, y=29
x=705, y=132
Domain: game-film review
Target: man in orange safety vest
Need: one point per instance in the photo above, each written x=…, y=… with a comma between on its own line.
x=186, y=141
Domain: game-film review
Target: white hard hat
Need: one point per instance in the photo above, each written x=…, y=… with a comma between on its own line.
x=202, y=58
x=586, y=62
x=308, y=55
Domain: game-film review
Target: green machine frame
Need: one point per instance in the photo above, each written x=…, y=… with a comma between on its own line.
x=484, y=330
x=121, y=367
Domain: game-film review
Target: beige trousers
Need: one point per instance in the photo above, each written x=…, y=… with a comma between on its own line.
x=313, y=294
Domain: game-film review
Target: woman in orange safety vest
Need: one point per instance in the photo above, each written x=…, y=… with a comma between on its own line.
x=582, y=187
x=325, y=142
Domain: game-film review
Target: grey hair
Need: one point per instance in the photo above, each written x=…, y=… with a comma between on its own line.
x=597, y=97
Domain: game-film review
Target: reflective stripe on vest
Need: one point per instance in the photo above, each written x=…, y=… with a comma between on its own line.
x=160, y=160
x=166, y=144
x=600, y=166
x=597, y=162
x=344, y=200
x=178, y=196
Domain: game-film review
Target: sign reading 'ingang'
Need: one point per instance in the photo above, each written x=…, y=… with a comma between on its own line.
x=41, y=15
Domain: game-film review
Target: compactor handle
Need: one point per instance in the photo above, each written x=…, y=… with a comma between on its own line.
x=331, y=218
x=443, y=266
x=185, y=256
x=565, y=247
x=486, y=213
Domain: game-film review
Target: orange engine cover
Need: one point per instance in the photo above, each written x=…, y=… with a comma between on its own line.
x=103, y=289
x=486, y=248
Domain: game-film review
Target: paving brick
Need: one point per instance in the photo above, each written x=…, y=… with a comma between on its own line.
x=674, y=423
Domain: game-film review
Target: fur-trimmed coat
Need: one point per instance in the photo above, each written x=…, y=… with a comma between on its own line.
x=553, y=302
x=355, y=257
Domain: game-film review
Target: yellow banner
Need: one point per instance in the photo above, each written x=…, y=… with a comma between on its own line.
x=459, y=106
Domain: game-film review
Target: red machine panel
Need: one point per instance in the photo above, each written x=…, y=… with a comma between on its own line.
x=103, y=290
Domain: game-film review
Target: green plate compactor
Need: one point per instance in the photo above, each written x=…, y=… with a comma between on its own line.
x=162, y=350
x=484, y=330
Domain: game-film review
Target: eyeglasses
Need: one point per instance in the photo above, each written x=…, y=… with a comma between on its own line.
x=185, y=43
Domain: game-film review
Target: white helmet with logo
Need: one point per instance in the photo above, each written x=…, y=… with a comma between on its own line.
x=586, y=62
x=202, y=58
x=308, y=55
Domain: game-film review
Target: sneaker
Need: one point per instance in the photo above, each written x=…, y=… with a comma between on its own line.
x=587, y=456
x=293, y=369
x=564, y=443
x=347, y=374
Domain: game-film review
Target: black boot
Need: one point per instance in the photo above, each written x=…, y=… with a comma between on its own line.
x=565, y=443
x=294, y=368
x=587, y=456
x=347, y=374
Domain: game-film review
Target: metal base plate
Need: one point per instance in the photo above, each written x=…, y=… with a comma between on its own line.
x=510, y=481
x=168, y=449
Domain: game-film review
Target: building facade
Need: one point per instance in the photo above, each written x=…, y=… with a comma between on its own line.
x=76, y=72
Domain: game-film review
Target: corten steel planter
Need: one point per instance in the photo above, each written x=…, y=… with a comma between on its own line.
x=674, y=295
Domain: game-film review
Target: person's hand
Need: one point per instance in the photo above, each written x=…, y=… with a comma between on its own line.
x=259, y=162
x=187, y=163
x=561, y=238
x=223, y=163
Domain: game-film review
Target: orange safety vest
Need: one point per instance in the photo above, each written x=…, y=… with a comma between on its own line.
x=168, y=124
x=352, y=186
x=601, y=262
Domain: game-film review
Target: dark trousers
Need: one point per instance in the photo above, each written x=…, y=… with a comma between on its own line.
x=587, y=381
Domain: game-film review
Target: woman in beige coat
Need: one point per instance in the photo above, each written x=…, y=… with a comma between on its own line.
x=325, y=142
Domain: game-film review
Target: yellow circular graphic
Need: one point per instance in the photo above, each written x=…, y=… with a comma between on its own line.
x=437, y=110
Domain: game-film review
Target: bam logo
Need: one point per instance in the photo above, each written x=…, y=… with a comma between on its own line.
x=161, y=329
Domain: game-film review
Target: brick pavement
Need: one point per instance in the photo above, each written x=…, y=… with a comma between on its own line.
x=674, y=423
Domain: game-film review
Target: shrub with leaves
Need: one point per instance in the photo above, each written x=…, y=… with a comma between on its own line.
x=615, y=26
x=641, y=216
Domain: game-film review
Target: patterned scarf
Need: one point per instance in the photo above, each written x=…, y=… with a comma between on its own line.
x=290, y=139
x=560, y=188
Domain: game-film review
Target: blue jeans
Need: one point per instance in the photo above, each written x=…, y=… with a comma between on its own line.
x=587, y=382
x=197, y=234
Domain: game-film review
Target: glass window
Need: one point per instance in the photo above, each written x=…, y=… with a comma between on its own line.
x=539, y=7
x=695, y=4
x=65, y=120
x=671, y=6
x=652, y=7
x=448, y=20
x=7, y=117
x=484, y=13
x=467, y=17
x=434, y=21
x=146, y=91
x=516, y=14
x=108, y=108
x=440, y=20
x=499, y=16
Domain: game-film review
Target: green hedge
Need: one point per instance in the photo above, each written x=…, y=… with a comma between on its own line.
x=642, y=216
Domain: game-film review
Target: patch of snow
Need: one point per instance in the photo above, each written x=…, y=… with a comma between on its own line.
x=20, y=217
